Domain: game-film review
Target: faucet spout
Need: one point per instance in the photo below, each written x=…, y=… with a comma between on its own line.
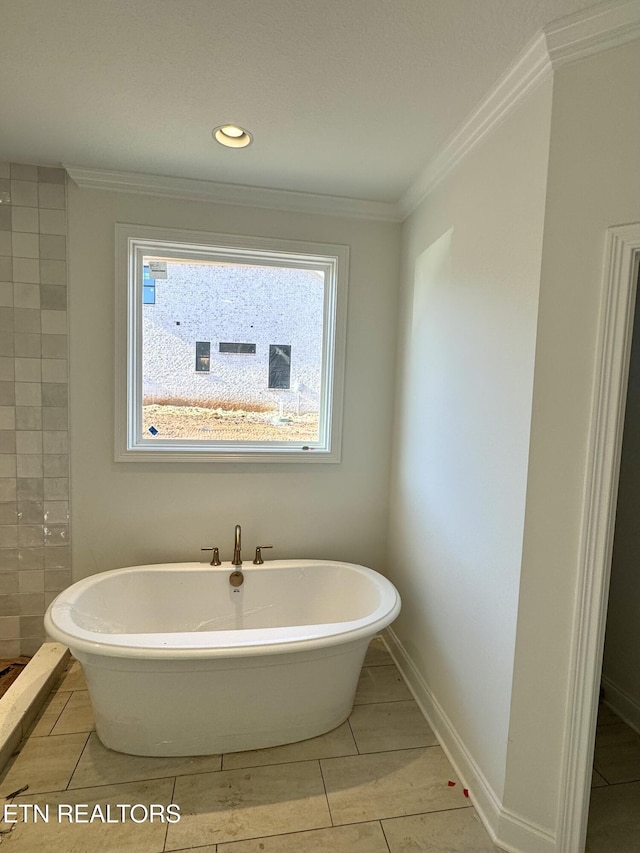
x=237, y=559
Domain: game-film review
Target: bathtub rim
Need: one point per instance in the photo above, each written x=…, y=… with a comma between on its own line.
x=234, y=643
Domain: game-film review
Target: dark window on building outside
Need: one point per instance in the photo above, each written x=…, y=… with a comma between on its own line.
x=247, y=349
x=203, y=356
x=279, y=366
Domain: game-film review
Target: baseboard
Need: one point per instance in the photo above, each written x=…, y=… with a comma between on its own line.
x=624, y=705
x=509, y=831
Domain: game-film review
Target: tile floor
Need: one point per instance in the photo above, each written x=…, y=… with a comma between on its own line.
x=377, y=784
x=614, y=812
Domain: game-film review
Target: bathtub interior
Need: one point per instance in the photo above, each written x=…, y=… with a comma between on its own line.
x=196, y=598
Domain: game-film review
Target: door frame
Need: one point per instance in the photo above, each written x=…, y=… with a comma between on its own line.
x=615, y=329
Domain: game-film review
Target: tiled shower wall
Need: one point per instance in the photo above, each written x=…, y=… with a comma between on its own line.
x=34, y=460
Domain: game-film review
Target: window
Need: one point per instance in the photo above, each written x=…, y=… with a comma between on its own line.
x=203, y=356
x=247, y=349
x=199, y=375
x=279, y=366
x=148, y=288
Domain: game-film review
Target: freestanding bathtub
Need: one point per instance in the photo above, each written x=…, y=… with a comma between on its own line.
x=179, y=662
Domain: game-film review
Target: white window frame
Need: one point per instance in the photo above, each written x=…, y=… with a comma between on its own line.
x=132, y=243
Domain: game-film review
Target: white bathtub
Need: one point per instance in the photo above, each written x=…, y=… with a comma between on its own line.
x=179, y=662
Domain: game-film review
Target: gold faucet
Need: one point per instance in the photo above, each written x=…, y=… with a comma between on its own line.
x=257, y=560
x=236, y=578
x=237, y=559
x=215, y=558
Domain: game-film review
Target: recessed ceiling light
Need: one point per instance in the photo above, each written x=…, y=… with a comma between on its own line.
x=232, y=136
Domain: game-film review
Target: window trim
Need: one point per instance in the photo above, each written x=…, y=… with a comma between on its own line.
x=131, y=242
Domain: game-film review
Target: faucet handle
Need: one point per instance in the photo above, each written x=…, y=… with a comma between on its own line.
x=215, y=557
x=257, y=560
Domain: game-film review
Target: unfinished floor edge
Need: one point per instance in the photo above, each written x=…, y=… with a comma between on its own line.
x=22, y=701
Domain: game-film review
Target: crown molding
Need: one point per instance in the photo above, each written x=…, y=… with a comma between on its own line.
x=532, y=66
x=210, y=191
x=566, y=40
x=592, y=31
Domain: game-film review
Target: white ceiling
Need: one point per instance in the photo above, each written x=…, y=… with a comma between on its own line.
x=344, y=97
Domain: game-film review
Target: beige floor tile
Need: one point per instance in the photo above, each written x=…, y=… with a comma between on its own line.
x=614, y=819
x=377, y=653
x=101, y=766
x=358, y=838
x=77, y=837
x=390, y=784
x=44, y=764
x=73, y=679
x=237, y=804
x=337, y=742
x=48, y=716
x=440, y=832
x=390, y=725
x=617, y=753
x=381, y=684
x=77, y=715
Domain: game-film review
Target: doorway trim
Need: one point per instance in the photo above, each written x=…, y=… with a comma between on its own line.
x=615, y=328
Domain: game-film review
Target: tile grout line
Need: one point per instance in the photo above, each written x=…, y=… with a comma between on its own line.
x=59, y=715
x=31, y=734
x=63, y=734
x=75, y=767
x=326, y=795
x=460, y=808
x=280, y=835
x=321, y=758
x=352, y=735
x=603, y=776
x=110, y=784
x=384, y=835
x=616, y=784
x=166, y=831
x=66, y=704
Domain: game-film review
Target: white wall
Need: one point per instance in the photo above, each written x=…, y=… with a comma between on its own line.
x=130, y=513
x=621, y=669
x=471, y=271
x=594, y=183
x=486, y=516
